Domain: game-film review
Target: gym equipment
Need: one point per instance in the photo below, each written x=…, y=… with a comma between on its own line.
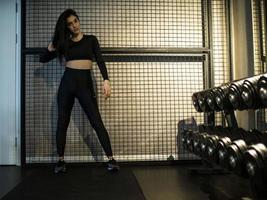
x=232, y=134
x=202, y=101
x=234, y=95
x=195, y=102
x=255, y=159
x=210, y=99
x=249, y=93
x=233, y=148
x=212, y=153
x=262, y=89
x=222, y=102
x=237, y=149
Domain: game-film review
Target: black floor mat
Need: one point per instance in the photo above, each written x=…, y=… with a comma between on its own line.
x=79, y=183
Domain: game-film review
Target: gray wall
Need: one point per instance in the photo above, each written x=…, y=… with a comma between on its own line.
x=9, y=84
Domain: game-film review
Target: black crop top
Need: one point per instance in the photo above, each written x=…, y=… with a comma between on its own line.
x=85, y=49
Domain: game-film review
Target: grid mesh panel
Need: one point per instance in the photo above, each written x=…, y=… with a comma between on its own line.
x=220, y=49
x=256, y=36
x=149, y=97
x=122, y=23
x=259, y=39
x=148, y=100
x=220, y=40
x=263, y=30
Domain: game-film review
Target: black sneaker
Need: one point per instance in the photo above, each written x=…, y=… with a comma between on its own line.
x=60, y=167
x=113, y=165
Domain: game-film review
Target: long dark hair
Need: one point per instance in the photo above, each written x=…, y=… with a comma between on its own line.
x=62, y=33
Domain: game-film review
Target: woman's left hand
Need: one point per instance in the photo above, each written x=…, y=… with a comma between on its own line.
x=106, y=89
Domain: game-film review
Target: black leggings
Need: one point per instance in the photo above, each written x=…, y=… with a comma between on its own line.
x=78, y=83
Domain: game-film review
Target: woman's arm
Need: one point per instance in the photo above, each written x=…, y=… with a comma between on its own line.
x=103, y=69
x=49, y=54
x=99, y=59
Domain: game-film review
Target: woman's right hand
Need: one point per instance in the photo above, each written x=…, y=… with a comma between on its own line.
x=51, y=47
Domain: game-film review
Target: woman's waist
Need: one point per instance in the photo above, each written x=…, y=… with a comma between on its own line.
x=74, y=75
x=79, y=64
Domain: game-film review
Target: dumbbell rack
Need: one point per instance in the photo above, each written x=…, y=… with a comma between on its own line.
x=226, y=149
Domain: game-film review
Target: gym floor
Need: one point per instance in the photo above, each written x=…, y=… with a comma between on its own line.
x=162, y=182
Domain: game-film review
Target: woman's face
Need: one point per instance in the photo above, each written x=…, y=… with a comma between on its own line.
x=73, y=24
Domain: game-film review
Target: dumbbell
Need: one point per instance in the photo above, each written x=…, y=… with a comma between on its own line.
x=203, y=141
x=193, y=142
x=234, y=95
x=221, y=98
x=195, y=102
x=210, y=99
x=199, y=143
x=256, y=167
x=185, y=135
x=256, y=156
x=224, y=142
x=249, y=93
x=237, y=148
x=255, y=159
x=262, y=89
x=187, y=139
x=202, y=100
x=212, y=153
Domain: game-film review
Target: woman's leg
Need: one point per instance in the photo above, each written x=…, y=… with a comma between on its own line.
x=91, y=109
x=65, y=101
x=87, y=99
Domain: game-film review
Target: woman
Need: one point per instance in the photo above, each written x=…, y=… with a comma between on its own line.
x=78, y=51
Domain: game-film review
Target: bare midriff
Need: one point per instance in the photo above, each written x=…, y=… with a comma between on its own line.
x=79, y=64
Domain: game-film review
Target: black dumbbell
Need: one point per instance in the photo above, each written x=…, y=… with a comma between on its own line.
x=187, y=139
x=199, y=140
x=185, y=135
x=255, y=159
x=262, y=89
x=202, y=100
x=222, y=145
x=195, y=102
x=189, y=136
x=249, y=93
x=221, y=98
x=212, y=152
x=203, y=141
x=224, y=142
x=256, y=156
x=237, y=148
x=210, y=99
x=234, y=95
x=256, y=167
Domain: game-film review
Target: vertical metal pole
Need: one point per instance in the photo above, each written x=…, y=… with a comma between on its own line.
x=265, y=27
x=209, y=118
x=23, y=36
x=209, y=72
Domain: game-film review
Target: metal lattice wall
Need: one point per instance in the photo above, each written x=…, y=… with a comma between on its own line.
x=122, y=23
x=259, y=39
x=151, y=92
x=220, y=48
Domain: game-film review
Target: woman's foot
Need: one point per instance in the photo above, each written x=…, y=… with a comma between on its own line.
x=113, y=165
x=60, y=167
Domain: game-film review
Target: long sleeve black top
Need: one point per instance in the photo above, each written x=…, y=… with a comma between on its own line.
x=86, y=48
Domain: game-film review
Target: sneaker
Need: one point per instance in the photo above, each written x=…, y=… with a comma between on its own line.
x=60, y=167
x=113, y=165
